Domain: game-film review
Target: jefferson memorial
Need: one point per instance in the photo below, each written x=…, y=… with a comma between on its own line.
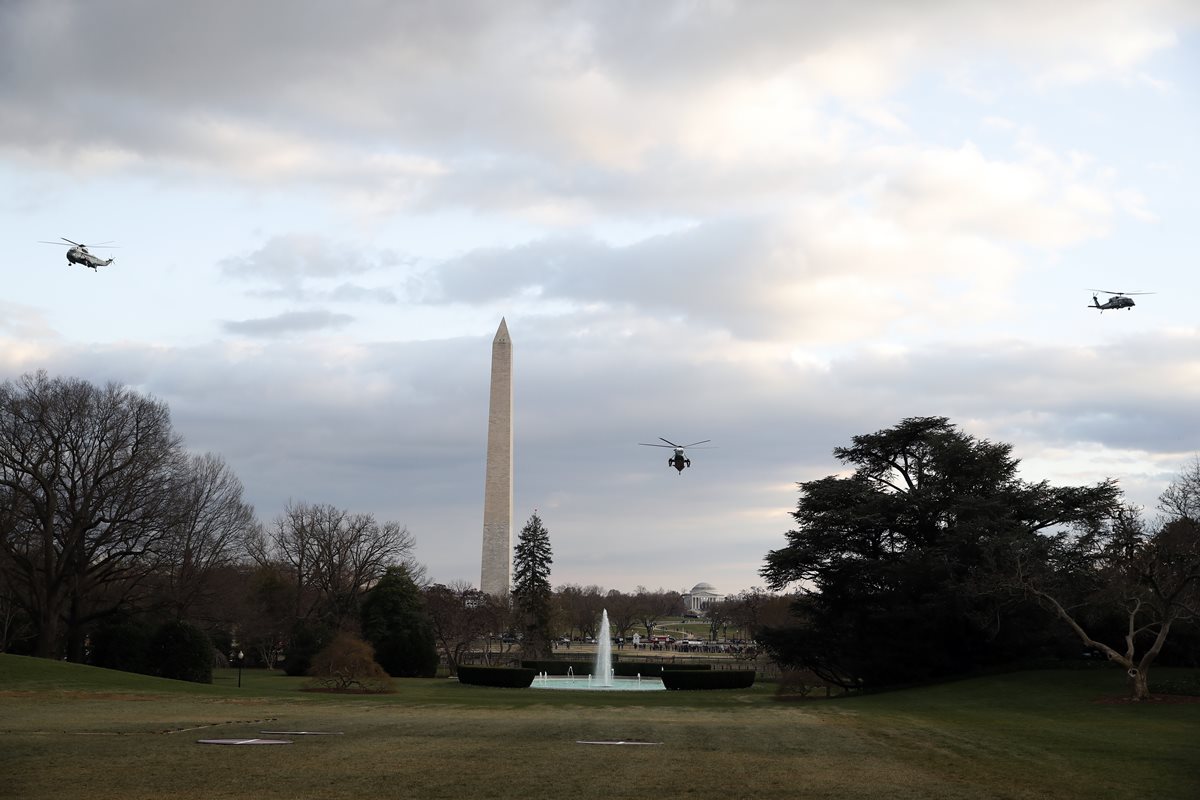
x=701, y=597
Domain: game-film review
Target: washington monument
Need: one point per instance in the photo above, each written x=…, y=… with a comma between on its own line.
x=496, y=578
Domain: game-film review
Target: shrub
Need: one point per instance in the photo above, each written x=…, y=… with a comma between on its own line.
x=507, y=677
x=181, y=651
x=560, y=667
x=348, y=663
x=123, y=645
x=708, y=679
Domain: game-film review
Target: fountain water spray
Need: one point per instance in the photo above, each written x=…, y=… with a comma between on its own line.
x=604, y=670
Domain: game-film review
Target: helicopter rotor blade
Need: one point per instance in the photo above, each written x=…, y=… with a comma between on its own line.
x=693, y=444
x=1121, y=294
x=646, y=444
x=60, y=244
x=668, y=441
x=77, y=244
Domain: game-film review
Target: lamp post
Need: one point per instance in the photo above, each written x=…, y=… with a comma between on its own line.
x=240, y=657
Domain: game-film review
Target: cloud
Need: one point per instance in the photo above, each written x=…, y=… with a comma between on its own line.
x=303, y=268
x=288, y=322
x=932, y=234
x=24, y=322
x=529, y=104
x=290, y=258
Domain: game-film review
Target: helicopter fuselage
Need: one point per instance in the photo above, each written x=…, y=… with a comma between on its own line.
x=1113, y=303
x=679, y=461
x=80, y=255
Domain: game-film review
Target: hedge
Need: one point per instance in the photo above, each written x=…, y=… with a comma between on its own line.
x=560, y=667
x=712, y=679
x=629, y=669
x=508, y=677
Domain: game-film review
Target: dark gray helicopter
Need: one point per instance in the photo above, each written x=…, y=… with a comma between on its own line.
x=1117, y=301
x=679, y=461
x=78, y=254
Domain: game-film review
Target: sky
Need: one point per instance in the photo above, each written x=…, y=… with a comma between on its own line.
x=775, y=225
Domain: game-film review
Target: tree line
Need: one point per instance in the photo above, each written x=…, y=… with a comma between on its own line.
x=929, y=556
x=106, y=517
x=110, y=529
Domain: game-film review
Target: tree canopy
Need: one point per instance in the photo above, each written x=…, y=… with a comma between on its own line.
x=395, y=623
x=98, y=502
x=890, y=562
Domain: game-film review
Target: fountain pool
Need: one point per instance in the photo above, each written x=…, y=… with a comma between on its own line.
x=602, y=679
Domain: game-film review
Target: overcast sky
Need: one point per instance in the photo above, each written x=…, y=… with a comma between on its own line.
x=775, y=225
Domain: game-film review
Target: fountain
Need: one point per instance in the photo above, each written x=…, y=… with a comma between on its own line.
x=604, y=652
x=603, y=677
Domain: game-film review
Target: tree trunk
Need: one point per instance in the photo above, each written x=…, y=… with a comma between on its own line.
x=47, y=635
x=1139, y=684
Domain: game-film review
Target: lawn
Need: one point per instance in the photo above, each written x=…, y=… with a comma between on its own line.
x=72, y=731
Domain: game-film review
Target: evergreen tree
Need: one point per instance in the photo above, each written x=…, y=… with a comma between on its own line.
x=531, y=587
x=894, y=563
x=395, y=623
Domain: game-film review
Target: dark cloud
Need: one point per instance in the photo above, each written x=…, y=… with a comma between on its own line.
x=288, y=322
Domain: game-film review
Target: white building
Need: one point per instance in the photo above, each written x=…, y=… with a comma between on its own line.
x=700, y=598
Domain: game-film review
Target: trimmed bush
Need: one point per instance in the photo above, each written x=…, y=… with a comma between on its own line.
x=507, y=677
x=708, y=679
x=560, y=667
x=181, y=651
x=630, y=669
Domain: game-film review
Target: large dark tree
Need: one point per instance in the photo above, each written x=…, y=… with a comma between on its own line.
x=88, y=489
x=395, y=623
x=891, y=563
x=531, y=586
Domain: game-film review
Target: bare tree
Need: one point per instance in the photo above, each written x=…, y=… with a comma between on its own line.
x=1151, y=580
x=14, y=622
x=333, y=555
x=579, y=607
x=650, y=607
x=86, y=500
x=461, y=615
x=210, y=531
x=622, y=611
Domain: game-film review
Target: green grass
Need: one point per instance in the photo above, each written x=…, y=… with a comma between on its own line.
x=65, y=727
